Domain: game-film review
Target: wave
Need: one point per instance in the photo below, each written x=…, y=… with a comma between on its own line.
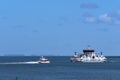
x=29, y=62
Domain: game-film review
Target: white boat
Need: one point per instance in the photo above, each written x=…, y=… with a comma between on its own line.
x=43, y=60
x=88, y=55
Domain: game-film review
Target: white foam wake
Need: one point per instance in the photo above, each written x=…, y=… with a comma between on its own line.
x=29, y=62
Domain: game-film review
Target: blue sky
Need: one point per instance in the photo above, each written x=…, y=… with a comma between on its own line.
x=59, y=27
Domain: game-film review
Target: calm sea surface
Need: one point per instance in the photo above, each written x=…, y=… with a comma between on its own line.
x=60, y=68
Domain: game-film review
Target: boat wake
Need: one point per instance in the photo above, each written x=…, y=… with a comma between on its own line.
x=29, y=62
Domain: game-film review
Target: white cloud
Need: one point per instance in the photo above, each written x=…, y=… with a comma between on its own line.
x=117, y=22
x=118, y=11
x=89, y=5
x=90, y=19
x=116, y=14
x=105, y=18
x=86, y=14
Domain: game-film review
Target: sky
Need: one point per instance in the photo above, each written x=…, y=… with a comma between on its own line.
x=59, y=27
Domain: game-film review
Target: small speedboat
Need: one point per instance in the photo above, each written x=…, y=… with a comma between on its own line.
x=43, y=60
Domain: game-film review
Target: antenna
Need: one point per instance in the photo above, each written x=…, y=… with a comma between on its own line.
x=75, y=53
x=89, y=47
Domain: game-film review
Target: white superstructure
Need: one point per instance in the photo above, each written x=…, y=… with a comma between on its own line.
x=43, y=60
x=88, y=55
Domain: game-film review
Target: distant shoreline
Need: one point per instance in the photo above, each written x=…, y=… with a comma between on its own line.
x=41, y=55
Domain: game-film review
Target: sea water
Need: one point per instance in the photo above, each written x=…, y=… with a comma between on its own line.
x=60, y=68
